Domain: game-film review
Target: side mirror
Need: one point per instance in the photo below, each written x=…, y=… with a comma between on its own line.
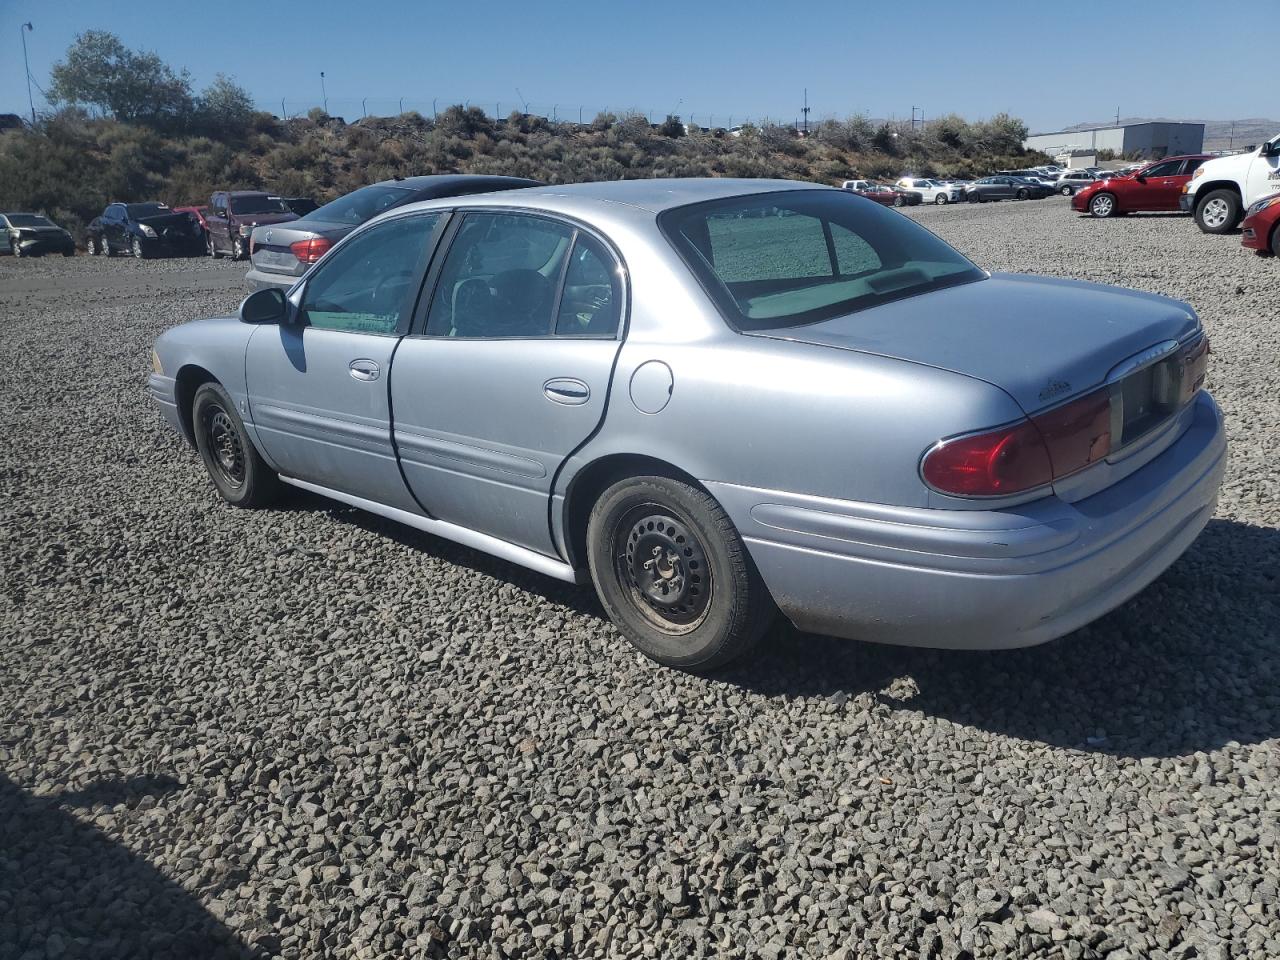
x=264, y=306
x=1140, y=178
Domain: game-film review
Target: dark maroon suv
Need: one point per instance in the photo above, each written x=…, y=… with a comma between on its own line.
x=233, y=214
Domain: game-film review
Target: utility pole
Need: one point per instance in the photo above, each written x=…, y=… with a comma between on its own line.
x=283, y=112
x=324, y=93
x=402, y=104
x=1231, y=143
x=364, y=110
x=805, y=111
x=1117, y=116
x=24, y=30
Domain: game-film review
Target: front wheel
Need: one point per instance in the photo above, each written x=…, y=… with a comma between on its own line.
x=1066, y=191
x=899, y=201
x=239, y=473
x=209, y=247
x=1102, y=205
x=136, y=247
x=1219, y=212
x=237, y=248
x=1275, y=240
x=674, y=575
x=1021, y=195
x=940, y=199
x=15, y=249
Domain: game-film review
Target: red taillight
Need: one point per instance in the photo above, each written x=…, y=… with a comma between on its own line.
x=311, y=249
x=1029, y=454
x=992, y=464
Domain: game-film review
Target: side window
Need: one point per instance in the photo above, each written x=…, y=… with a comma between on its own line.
x=591, y=303
x=500, y=277
x=371, y=282
x=1191, y=166
x=1169, y=168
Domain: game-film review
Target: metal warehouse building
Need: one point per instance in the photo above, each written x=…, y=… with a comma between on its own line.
x=1142, y=140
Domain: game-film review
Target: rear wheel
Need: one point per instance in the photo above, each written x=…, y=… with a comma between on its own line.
x=1065, y=191
x=239, y=473
x=1218, y=212
x=1102, y=205
x=940, y=199
x=91, y=246
x=674, y=575
x=899, y=201
x=237, y=248
x=1022, y=194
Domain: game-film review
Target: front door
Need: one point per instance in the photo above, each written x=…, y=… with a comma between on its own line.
x=113, y=227
x=318, y=385
x=510, y=374
x=1263, y=178
x=1162, y=186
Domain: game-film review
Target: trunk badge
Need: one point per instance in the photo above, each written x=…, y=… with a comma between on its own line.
x=1055, y=388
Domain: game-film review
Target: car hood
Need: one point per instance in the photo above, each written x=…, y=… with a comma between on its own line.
x=1040, y=339
x=167, y=220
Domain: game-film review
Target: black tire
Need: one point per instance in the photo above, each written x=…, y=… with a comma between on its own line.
x=15, y=249
x=1103, y=205
x=1275, y=240
x=91, y=246
x=674, y=575
x=239, y=474
x=238, y=248
x=106, y=248
x=899, y=201
x=1066, y=191
x=69, y=252
x=209, y=247
x=1218, y=211
x=1022, y=194
x=940, y=199
x=136, y=249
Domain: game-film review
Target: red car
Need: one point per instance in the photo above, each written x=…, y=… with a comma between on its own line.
x=889, y=196
x=1155, y=187
x=1262, y=226
x=197, y=214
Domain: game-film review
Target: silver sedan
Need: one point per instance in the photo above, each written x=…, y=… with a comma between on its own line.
x=719, y=399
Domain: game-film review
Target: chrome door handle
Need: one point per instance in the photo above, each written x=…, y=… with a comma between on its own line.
x=364, y=370
x=566, y=390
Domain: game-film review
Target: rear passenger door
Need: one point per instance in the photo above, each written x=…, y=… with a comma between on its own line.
x=508, y=372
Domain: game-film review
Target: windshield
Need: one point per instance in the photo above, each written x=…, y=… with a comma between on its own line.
x=362, y=204
x=258, y=205
x=27, y=220
x=784, y=259
x=139, y=210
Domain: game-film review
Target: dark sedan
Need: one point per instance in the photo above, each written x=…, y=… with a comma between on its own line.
x=1005, y=188
x=144, y=230
x=279, y=254
x=29, y=235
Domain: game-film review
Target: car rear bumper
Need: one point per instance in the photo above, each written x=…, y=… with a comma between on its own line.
x=261, y=279
x=979, y=579
x=1187, y=202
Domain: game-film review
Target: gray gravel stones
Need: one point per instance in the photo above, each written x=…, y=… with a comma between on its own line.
x=306, y=732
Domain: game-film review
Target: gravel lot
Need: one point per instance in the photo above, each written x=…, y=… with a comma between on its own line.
x=310, y=733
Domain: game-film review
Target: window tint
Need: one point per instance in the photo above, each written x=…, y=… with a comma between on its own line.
x=370, y=282
x=1169, y=168
x=500, y=277
x=757, y=258
x=1191, y=166
x=141, y=210
x=243, y=205
x=591, y=303
x=363, y=204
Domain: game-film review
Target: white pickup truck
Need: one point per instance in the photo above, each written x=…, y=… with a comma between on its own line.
x=1221, y=189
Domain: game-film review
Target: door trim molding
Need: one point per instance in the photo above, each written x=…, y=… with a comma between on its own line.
x=522, y=556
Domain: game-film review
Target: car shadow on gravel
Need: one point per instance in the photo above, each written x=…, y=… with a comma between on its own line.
x=66, y=889
x=1190, y=664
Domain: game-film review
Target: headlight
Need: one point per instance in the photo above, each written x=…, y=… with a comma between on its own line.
x=147, y=231
x=155, y=363
x=195, y=226
x=1262, y=204
x=247, y=229
x=1198, y=174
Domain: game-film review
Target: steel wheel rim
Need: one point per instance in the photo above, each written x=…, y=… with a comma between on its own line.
x=663, y=569
x=226, y=448
x=1215, y=213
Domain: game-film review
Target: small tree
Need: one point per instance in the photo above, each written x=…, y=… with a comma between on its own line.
x=671, y=127
x=129, y=85
x=224, y=109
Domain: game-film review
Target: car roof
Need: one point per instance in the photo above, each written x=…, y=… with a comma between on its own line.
x=653, y=195
x=455, y=181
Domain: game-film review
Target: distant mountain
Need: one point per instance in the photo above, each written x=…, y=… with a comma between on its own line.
x=1218, y=134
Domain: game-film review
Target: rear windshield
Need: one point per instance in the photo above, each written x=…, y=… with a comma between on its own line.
x=783, y=259
x=27, y=220
x=137, y=210
x=258, y=205
x=362, y=204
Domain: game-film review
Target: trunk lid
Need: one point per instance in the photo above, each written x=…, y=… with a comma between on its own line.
x=1040, y=339
x=271, y=243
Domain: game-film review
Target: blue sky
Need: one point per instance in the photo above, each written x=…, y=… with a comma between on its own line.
x=711, y=61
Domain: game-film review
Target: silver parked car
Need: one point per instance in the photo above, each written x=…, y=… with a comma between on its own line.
x=720, y=398
x=280, y=253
